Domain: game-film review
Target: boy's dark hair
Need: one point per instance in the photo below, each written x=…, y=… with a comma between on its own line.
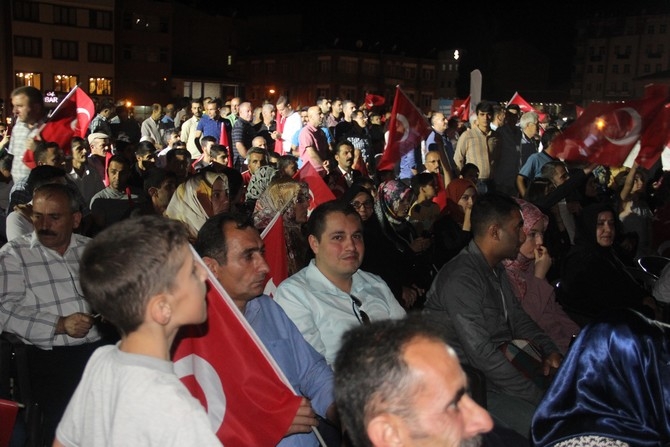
x=156, y=178
x=422, y=179
x=144, y=148
x=485, y=107
x=467, y=167
x=128, y=263
x=316, y=224
x=42, y=150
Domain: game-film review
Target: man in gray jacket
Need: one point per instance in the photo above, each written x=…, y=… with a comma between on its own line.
x=471, y=299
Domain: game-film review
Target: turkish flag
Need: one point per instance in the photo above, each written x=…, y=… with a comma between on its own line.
x=606, y=133
x=654, y=139
x=69, y=119
x=275, y=253
x=461, y=109
x=525, y=106
x=407, y=128
x=374, y=100
x=225, y=366
x=317, y=187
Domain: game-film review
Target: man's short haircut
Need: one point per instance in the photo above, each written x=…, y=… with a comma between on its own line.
x=145, y=148
x=156, y=108
x=469, y=167
x=491, y=208
x=528, y=118
x=43, y=174
x=216, y=101
x=549, y=168
x=41, y=151
x=105, y=105
x=34, y=96
x=207, y=139
x=548, y=136
x=6, y=160
x=118, y=158
x=195, y=101
x=257, y=150
x=217, y=149
x=172, y=155
x=321, y=99
x=316, y=224
x=514, y=107
x=179, y=145
x=66, y=190
x=485, y=107
x=77, y=142
x=211, y=240
x=156, y=178
x=130, y=262
x=372, y=376
x=341, y=143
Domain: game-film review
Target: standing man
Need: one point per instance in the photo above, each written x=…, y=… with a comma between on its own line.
x=42, y=303
x=342, y=175
x=94, y=181
x=211, y=124
x=517, y=144
x=335, y=115
x=243, y=133
x=234, y=251
x=167, y=124
x=472, y=301
x=234, y=111
x=312, y=142
x=28, y=108
x=479, y=145
x=101, y=121
x=397, y=383
x=331, y=294
x=267, y=128
x=439, y=142
x=151, y=126
x=343, y=128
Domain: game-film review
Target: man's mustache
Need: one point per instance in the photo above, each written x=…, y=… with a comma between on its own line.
x=46, y=233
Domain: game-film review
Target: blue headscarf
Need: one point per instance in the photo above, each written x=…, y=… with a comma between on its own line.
x=614, y=382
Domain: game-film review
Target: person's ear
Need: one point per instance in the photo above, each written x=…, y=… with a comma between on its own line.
x=494, y=230
x=160, y=309
x=76, y=220
x=313, y=243
x=153, y=191
x=384, y=430
x=212, y=264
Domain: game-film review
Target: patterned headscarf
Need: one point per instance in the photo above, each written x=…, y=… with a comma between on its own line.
x=390, y=194
x=260, y=180
x=186, y=207
x=455, y=190
x=531, y=216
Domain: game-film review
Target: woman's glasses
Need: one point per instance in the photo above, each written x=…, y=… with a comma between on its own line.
x=369, y=204
x=360, y=313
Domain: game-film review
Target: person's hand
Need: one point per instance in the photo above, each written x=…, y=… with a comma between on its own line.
x=410, y=294
x=420, y=244
x=304, y=419
x=551, y=363
x=542, y=262
x=326, y=166
x=589, y=168
x=76, y=325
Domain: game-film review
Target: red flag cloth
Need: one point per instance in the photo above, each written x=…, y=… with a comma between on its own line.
x=275, y=254
x=579, y=111
x=654, y=139
x=317, y=187
x=461, y=109
x=374, y=100
x=407, y=128
x=224, y=140
x=224, y=364
x=522, y=103
x=70, y=119
x=606, y=133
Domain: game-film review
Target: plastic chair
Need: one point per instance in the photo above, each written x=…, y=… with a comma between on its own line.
x=653, y=264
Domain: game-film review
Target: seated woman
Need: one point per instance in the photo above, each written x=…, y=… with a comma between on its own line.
x=527, y=275
x=259, y=182
x=363, y=202
x=452, y=228
x=593, y=277
x=200, y=197
x=424, y=211
x=612, y=389
x=290, y=198
x=396, y=252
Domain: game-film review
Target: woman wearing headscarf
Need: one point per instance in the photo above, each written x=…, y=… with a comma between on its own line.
x=395, y=252
x=527, y=275
x=452, y=228
x=612, y=389
x=200, y=197
x=259, y=182
x=593, y=276
x=290, y=198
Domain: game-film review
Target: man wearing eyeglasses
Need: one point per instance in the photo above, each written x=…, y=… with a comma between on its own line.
x=332, y=294
x=234, y=251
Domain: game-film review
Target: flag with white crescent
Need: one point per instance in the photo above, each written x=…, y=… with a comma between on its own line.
x=606, y=133
x=224, y=365
x=407, y=128
x=69, y=119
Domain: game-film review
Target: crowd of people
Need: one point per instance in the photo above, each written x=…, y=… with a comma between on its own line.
x=479, y=253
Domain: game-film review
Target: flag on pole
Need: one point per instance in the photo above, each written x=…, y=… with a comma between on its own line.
x=69, y=119
x=318, y=189
x=461, y=108
x=655, y=139
x=223, y=140
x=275, y=253
x=525, y=106
x=606, y=133
x=374, y=100
x=407, y=128
x=224, y=365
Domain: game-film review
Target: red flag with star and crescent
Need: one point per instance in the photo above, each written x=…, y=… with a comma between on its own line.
x=460, y=108
x=407, y=128
x=275, y=254
x=226, y=367
x=374, y=100
x=606, y=133
x=70, y=119
x=318, y=189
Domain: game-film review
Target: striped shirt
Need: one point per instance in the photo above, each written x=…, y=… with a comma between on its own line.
x=37, y=287
x=22, y=134
x=477, y=148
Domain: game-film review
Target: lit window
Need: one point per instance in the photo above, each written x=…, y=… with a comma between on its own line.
x=28, y=79
x=100, y=86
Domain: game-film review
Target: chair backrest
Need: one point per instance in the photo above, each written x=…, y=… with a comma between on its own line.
x=653, y=264
x=8, y=411
x=644, y=279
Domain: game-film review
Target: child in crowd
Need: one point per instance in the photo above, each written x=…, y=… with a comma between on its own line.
x=139, y=274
